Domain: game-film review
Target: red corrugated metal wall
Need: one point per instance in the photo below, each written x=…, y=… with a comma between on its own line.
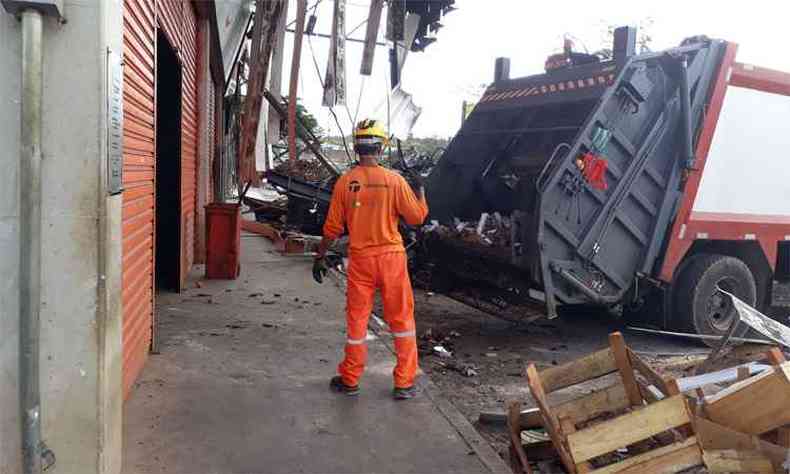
x=139, y=41
x=178, y=21
x=189, y=134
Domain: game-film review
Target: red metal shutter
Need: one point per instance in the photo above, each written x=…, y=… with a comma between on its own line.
x=139, y=40
x=189, y=135
x=179, y=22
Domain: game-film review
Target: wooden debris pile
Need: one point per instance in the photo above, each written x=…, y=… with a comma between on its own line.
x=640, y=421
x=310, y=170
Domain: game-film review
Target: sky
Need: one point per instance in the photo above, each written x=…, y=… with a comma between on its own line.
x=461, y=62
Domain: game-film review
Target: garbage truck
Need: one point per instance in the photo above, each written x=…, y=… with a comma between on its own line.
x=641, y=183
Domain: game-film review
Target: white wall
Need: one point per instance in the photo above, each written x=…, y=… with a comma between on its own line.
x=80, y=310
x=9, y=242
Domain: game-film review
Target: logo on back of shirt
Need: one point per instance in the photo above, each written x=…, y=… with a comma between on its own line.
x=354, y=186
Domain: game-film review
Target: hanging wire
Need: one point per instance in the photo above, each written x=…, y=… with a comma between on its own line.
x=359, y=101
x=349, y=33
x=314, y=7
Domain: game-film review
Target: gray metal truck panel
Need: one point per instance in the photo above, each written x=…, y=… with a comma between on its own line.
x=517, y=154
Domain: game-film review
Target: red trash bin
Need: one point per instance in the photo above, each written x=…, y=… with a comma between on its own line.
x=223, y=241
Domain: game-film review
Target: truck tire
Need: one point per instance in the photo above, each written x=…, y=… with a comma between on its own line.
x=698, y=307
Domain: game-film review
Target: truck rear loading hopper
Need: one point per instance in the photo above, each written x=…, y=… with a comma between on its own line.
x=652, y=119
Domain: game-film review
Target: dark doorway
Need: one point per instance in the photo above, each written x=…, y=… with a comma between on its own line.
x=168, y=167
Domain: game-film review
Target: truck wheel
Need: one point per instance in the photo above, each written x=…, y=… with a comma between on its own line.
x=699, y=308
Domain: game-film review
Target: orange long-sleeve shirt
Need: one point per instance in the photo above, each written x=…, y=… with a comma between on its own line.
x=369, y=200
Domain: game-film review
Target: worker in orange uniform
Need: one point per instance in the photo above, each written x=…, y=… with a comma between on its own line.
x=368, y=200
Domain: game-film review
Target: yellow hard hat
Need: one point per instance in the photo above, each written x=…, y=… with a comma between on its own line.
x=370, y=132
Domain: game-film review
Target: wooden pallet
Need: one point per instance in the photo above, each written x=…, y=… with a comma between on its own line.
x=640, y=414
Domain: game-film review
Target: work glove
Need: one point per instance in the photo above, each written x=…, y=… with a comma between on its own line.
x=321, y=266
x=320, y=269
x=415, y=180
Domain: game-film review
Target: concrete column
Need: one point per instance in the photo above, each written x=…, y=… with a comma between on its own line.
x=205, y=143
x=81, y=244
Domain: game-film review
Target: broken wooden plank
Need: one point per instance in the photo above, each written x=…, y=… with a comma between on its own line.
x=301, y=10
x=648, y=373
x=734, y=461
x=550, y=422
x=263, y=229
x=623, y=363
x=588, y=367
x=369, y=50
x=774, y=356
x=628, y=429
x=743, y=373
x=304, y=133
x=783, y=436
x=514, y=428
x=672, y=458
x=266, y=16
x=650, y=393
x=712, y=436
x=755, y=405
x=609, y=399
x=568, y=426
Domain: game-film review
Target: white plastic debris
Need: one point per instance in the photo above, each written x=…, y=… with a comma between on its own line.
x=442, y=352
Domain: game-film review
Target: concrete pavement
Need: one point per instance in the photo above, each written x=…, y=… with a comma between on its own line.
x=241, y=386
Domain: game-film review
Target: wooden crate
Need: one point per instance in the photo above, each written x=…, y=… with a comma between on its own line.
x=755, y=405
x=641, y=414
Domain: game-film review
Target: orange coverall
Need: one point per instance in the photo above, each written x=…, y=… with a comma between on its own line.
x=368, y=200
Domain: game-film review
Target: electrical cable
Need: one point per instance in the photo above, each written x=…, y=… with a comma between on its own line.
x=356, y=28
x=314, y=7
x=359, y=101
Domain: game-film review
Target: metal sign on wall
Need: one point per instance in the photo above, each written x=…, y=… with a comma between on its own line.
x=114, y=123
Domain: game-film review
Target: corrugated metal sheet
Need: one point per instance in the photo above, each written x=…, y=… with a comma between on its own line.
x=211, y=95
x=178, y=21
x=139, y=40
x=189, y=128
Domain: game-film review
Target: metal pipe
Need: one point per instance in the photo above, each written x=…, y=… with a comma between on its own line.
x=324, y=35
x=30, y=241
x=710, y=337
x=685, y=107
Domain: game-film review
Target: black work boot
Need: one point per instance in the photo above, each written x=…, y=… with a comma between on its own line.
x=337, y=385
x=404, y=393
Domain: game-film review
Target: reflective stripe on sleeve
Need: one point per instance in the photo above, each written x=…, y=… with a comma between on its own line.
x=355, y=342
x=411, y=333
